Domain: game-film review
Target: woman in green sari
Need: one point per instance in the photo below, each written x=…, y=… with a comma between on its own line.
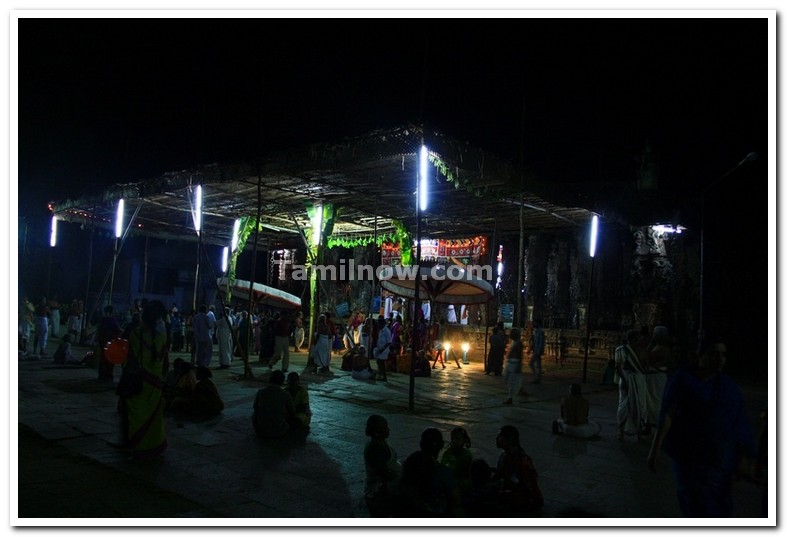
x=148, y=345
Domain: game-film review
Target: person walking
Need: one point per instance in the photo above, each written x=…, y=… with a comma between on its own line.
x=537, y=345
x=281, y=342
x=513, y=371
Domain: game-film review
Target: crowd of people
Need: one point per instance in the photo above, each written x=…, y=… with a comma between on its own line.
x=695, y=414
x=454, y=484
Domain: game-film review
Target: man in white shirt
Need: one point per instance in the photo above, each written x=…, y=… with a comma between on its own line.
x=212, y=321
x=224, y=327
x=201, y=326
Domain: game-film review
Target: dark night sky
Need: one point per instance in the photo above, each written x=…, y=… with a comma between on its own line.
x=112, y=100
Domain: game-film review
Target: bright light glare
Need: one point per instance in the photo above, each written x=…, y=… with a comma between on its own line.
x=317, y=225
x=198, y=209
x=224, y=259
x=423, y=193
x=593, y=235
x=447, y=346
x=235, y=234
x=662, y=228
x=465, y=346
x=53, y=233
x=119, y=219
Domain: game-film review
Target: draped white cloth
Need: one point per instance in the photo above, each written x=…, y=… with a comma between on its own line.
x=640, y=392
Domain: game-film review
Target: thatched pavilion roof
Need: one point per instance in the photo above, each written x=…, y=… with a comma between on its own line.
x=366, y=177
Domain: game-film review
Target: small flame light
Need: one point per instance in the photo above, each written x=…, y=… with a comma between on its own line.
x=465, y=348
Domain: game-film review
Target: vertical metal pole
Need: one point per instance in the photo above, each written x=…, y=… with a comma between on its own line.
x=196, y=279
x=587, y=322
x=247, y=372
x=374, y=288
x=112, y=279
x=700, y=330
x=145, y=267
x=492, y=256
x=49, y=270
x=83, y=323
x=416, y=300
x=520, y=276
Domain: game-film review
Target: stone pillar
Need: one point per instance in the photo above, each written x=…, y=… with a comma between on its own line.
x=537, y=274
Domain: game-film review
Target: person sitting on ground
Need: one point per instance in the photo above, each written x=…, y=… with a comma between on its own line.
x=274, y=411
x=63, y=354
x=458, y=457
x=422, y=366
x=205, y=399
x=300, y=398
x=428, y=489
x=519, y=491
x=347, y=358
x=573, y=420
x=185, y=384
x=360, y=365
x=170, y=381
x=480, y=499
x=382, y=468
x=347, y=337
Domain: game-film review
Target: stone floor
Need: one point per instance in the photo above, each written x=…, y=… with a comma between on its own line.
x=218, y=472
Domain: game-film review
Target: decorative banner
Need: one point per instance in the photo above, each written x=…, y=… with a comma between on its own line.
x=466, y=251
x=475, y=247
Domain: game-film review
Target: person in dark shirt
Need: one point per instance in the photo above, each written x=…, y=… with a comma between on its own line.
x=704, y=428
x=281, y=345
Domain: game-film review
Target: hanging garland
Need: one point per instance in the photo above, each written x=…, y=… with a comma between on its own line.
x=477, y=191
x=403, y=238
x=352, y=242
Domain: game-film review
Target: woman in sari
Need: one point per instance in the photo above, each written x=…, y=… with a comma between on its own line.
x=148, y=342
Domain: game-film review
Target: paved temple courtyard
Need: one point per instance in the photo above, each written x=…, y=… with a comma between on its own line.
x=218, y=469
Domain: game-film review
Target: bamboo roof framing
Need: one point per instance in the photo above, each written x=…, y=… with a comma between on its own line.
x=367, y=178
